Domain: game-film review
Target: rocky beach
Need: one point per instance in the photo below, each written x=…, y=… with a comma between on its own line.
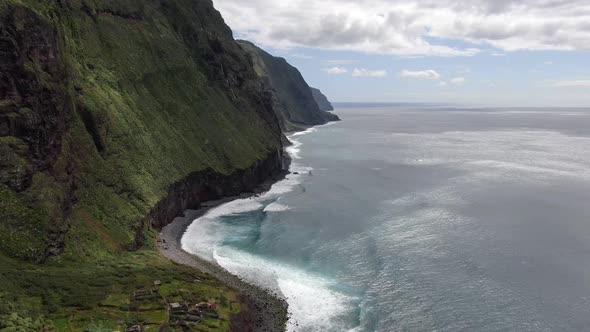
x=265, y=311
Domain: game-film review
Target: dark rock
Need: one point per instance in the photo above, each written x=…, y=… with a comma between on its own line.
x=35, y=113
x=85, y=106
x=293, y=98
x=206, y=186
x=34, y=104
x=322, y=101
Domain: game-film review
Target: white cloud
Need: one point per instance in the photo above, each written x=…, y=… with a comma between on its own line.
x=548, y=63
x=341, y=61
x=457, y=80
x=572, y=84
x=336, y=70
x=453, y=81
x=412, y=27
x=422, y=74
x=362, y=72
x=301, y=56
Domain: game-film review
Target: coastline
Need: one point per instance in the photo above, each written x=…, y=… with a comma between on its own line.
x=265, y=310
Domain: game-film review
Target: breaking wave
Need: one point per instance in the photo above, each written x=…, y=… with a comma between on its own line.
x=221, y=234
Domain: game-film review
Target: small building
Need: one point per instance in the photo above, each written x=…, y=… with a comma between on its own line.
x=202, y=306
x=195, y=312
x=134, y=328
x=177, y=307
x=181, y=323
x=206, y=306
x=157, y=283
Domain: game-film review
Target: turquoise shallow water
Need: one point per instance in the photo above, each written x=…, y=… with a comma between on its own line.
x=422, y=219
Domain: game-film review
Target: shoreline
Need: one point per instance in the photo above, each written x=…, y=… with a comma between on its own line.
x=265, y=310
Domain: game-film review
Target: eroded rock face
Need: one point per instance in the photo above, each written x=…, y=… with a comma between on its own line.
x=296, y=103
x=115, y=116
x=123, y=114
x=208, y=185
x=322, y=101
x=225, y=63
x=35, y=114
x=34, y=105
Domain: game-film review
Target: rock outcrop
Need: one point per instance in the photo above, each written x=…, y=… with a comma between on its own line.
x=294, y=99
x=322, y=101
x=115, y=116
x=108, y=105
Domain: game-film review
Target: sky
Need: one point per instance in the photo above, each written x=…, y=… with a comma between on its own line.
x=478, y=52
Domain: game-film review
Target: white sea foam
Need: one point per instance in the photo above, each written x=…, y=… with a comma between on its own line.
x=201, y=236
x=305, y=132
x=235, y=207
x=294, y=149
x=313, y=305
x=290, y=183
x=276, y=207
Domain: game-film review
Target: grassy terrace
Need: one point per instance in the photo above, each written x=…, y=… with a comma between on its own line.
x=99, y=297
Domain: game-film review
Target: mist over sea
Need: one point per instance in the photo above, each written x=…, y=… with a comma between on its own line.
x=422, y=219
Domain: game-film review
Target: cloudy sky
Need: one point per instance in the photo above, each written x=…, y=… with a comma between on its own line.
x=478, y=52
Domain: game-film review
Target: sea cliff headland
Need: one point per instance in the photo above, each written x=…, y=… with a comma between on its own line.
x=114, y=118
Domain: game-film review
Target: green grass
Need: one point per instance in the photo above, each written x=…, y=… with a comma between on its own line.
x=23, y=230
x=144, y=115
x=74, y=297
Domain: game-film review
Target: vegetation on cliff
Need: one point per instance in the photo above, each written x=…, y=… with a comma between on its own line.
x=105, y=107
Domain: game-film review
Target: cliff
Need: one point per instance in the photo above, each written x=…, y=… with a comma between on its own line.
x=293, y=97
x=114, y=117
x=322, y=101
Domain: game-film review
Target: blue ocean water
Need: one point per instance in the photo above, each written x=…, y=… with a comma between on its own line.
x=422, y=219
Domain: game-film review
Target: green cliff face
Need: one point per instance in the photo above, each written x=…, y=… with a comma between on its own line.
x=293, y=97
x=107, y=108
x=322, y=101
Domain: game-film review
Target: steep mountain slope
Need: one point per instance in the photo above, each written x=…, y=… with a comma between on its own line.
x=114, y=117
x=294, y=97
x=322, y=101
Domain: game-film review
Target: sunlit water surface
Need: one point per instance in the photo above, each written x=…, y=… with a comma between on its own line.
x=421, y=220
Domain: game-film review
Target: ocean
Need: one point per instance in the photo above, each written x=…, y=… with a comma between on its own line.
x=421, y=219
